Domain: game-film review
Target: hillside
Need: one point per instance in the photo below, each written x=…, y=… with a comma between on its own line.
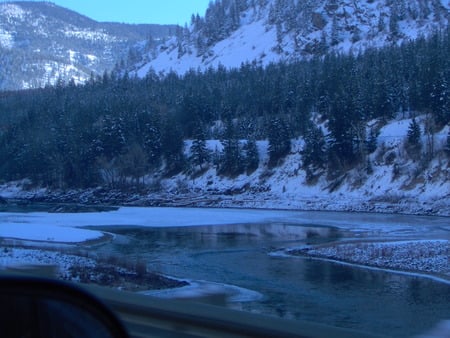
x=233, y=32
x=41, y=43
x=357, y=133
x=396, y=184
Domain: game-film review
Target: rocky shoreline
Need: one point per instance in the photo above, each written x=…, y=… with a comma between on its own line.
x=101, y=199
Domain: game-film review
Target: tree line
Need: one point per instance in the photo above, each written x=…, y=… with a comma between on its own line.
x=115, y=128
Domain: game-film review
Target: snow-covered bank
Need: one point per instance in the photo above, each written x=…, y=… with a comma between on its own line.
x=429, y=257
x=75, y=268
x=17, y=257
x=395, y=182
x=238, y=197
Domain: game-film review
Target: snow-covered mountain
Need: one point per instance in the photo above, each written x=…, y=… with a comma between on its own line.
x=233, y=32
x=41, y=43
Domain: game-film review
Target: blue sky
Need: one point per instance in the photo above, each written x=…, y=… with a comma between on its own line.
x=138, y=11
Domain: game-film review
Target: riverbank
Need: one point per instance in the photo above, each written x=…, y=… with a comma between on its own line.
x=245, y=200
x=110, y=271
x=277, y=189
x=423, y=257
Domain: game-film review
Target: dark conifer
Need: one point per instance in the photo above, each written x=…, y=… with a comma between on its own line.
x=413, y=140
x=279, y=140
x=232, y=163
x=314, y=150
x=199, y=152
x=251, y=156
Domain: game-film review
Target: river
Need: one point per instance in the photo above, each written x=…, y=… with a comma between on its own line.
x=292, y=287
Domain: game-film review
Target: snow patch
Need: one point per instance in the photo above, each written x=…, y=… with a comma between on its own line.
x=6, y=39
x=89, y=35
x=16, y=257
x=12, y=11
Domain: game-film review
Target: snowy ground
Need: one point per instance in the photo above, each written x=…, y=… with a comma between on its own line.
x=110, y=271
x=419, y=256
x=19, y=257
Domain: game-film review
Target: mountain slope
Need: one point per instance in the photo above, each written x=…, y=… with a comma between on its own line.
x=41, y=42
x=264, y=31
x=400, y=186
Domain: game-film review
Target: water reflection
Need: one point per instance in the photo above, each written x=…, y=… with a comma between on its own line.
x=296, y=288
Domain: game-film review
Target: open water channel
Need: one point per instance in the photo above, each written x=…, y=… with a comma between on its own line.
x=373, y=301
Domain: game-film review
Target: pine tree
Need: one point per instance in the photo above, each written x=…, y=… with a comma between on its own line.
x=251, y=156
x=381, y=24
x=314, y=150
x=279, y=141
x=199, y=152
x=334, y=31
x=413, y=140
x=343, y=138
x=279, y=30
x=371, y=143
x=369, y=168
x=172, y=144
x=152, y=142
x=413, y=135
x=393, y=22
x=111, y=138
x=440, y=99
x=231, y=163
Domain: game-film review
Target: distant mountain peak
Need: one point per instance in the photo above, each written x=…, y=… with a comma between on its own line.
x=41, y=43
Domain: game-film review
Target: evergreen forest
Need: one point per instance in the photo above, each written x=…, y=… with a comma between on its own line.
x=116, y=129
